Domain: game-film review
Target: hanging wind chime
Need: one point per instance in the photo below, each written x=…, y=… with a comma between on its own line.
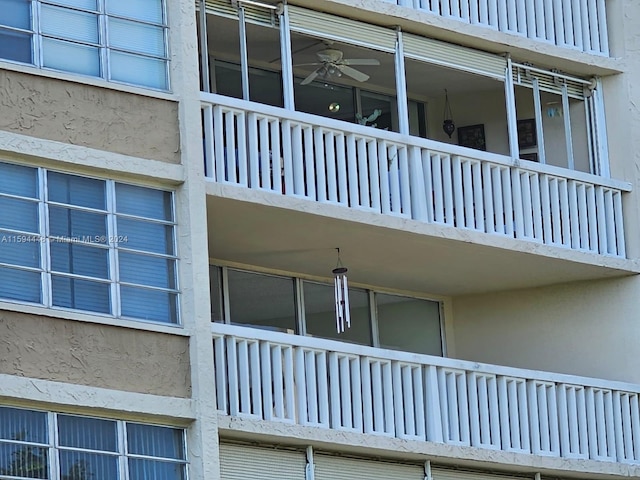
x=341, y=291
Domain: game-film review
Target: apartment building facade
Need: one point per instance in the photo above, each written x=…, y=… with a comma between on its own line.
x=178, y=181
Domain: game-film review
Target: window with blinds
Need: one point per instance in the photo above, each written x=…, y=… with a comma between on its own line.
x=35, y=444
x=111, y=39
x=87, y=244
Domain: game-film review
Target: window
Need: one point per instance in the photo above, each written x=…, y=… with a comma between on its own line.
x=294, y=305
x=115, y=40
x=43, y=445
x=87, y=244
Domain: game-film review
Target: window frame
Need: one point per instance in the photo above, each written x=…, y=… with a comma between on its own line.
x=222, y=295
x=115, y=244
x=53, y=446
x=103, y=45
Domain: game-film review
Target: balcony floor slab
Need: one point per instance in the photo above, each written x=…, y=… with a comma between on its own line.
x=297, y=235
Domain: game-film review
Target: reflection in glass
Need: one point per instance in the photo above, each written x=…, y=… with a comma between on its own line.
x=263, y=301
x=409, y=324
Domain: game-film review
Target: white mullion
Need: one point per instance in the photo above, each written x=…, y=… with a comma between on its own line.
x=401, y=86
x=286, y=60
x=443, y=337
x=300, y=310
x=176, y=275
x=538, y=116
x=36, y=44
x=299, y=299
x=123, y=449
x=244, y=55
x=204, y=48
x=567, y=127
x=373, y=315
x=224, y=278
x=54, y=453
x=45, y=249
x=114, y=276
x=103, y=40
x=512, y=126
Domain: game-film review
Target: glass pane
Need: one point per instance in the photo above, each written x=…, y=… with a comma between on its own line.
x=155, y=441
x=84, y=4
x=71, y=24
x=20, y=285
x=146, y=270
x=409, y=324
x=18, y=214
x=79, y=465
x=262, y=300
x=140, y=469
x=23, y=425
x=264, y=43
x=146, y=10
x=81, y=294
x=74, y=190
x=19, y=249
x=146, y=304
x=79, y=259
x=77, y=225
x=18, y=180
x=378, y=111
x=320, y=314
x=144, y=202
x=215, y=280
x=16, y=13
x=137, y=70
x=71, y=57
x=136, y=37
x=15, y=46
x=23, y=461
x=89, y=433
x=147, y=236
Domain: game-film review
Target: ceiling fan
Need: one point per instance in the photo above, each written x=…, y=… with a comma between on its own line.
x=332, y=63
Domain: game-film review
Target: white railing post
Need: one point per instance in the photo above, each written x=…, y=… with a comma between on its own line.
x=418, y=397
x=296, y=154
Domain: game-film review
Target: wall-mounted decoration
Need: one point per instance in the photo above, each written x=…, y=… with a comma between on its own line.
x=472, y=136
x=527, y=133
x=533, y=157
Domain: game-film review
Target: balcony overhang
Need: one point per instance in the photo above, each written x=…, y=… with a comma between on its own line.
x=450, y=29
x=297, y=235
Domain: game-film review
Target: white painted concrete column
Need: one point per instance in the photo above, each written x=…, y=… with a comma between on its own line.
x=191, y=216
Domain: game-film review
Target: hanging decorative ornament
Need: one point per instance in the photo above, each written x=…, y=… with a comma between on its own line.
x=447, y=125
x=341, y=291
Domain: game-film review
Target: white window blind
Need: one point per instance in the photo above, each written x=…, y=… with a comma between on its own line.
x=330, y=467
x=84, y=447
x=244, y=462
x=128, y=46
x=87, y=244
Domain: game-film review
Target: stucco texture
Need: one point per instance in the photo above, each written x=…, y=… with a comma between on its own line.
x=89, y=116
x=94, y=355
x=584, y=328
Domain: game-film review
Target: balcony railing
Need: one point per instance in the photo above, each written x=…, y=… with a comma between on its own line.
x=578, y=24
x=328, y=161
x=327, y=384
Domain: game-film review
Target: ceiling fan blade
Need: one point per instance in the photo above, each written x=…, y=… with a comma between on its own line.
x=360, y=61
x=353, y=73
x=310, y=78
x=307, y=64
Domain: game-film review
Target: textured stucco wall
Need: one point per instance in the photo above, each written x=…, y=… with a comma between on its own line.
x=89, y=116
x=584, y=328
x=94, y=355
